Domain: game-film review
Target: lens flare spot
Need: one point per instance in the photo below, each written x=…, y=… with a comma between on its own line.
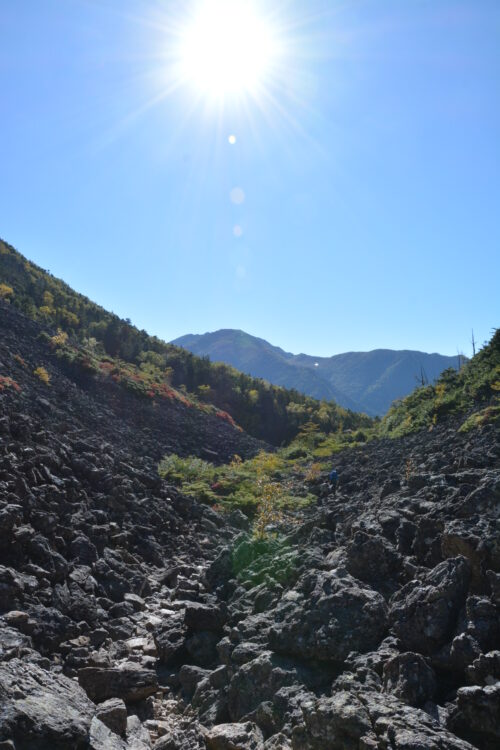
x=237, y=196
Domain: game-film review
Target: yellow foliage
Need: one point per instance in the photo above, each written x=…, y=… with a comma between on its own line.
x=440, y=391
x=314, y=472
x=48, y=299
x=268, y=511
x=6, y=291
x=59, y=339
x=204, y=392
x=42, y=374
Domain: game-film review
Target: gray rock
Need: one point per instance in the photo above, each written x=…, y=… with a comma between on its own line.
x=181, y=733
x=372, y=558
x=410, y=678
x=40, y=709
x=423, y=613
x=202, y=647
x=113, y=713
x=336, y=723
x=477, y=715
x=485, y=670
x=245, y=736
x=189, y=677
x=278, y=742
x=494, y=582
x=368, y=720
x=128, y=682
x=170, y=640
x=483, y=622
x=200, y=617
x=258, y=681
x=329, y=618
x=12, y=642
x=103, y=738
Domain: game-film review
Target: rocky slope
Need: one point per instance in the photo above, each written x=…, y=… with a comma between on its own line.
x=132, y=617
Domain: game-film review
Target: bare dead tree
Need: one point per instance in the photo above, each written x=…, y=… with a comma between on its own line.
x=422, y=379
x=461, y=359
x=473, y=342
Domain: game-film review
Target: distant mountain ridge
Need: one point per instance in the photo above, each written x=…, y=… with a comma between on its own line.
x=362, y=381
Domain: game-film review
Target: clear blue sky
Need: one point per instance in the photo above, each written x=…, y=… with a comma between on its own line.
x=371, y=171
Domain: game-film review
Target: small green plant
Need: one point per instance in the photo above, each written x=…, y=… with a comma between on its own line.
x=238, y=484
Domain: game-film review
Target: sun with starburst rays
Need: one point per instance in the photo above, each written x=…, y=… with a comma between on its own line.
x=224, y=51
x=227, y=48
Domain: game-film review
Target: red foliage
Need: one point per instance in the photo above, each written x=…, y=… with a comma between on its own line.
x=106, y=367
x=6, y=382
x=19, y=359
x=226, y=417
x=86, y=363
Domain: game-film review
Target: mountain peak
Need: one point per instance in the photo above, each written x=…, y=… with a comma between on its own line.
x=361, y=381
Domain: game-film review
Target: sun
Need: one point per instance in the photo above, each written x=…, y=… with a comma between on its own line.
x=227, y=48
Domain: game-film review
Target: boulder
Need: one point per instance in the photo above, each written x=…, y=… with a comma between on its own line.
x=372, y=558
x=423, y=613
x=12, y=642
x=330, y=617
x=128, y=682
x=245, y=736
x=200, y=616
x=41, y=709
x=103, y=738
x=483, y=622
x=170, y=640
x=485, y=670
x=476, y=717
x=257, y=681
x=368, y=720
x=409, y=677
x=113, y=713
x=337, y=723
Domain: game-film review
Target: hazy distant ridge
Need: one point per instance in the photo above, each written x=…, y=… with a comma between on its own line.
x=363, y=381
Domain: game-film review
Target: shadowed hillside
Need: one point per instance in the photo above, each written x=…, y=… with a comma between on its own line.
x=100, y=343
